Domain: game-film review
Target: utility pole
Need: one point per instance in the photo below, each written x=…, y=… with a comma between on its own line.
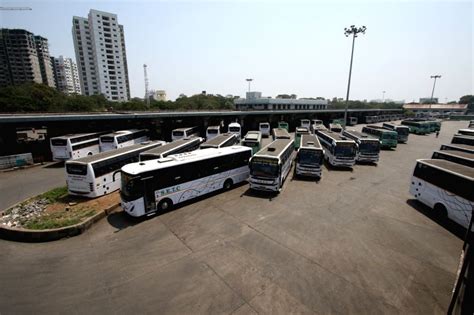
x=383, y=96
x=437, y=76
x=147, y=97
x=249, y=81
x=352, y=30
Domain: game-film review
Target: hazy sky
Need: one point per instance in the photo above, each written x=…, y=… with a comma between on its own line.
x=286, y=47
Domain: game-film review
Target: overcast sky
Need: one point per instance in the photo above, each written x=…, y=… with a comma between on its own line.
x=286, y=47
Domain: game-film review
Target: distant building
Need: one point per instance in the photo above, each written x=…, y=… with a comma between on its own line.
x=159, y=95
x=427, y=109
x=101, y=56
x=66, y=75
x=429, y=100
x=255, y=101
x=24, y=58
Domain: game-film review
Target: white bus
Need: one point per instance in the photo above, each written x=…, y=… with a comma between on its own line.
x=94, y=176
x=175, y=147
x=305, y=123
x=122, y=138
x=352, y=121
x=339, y=150
x=181, y=133
x=236, y=129
x=221, y=141
x=466, y=132
x=75, y=146
x=316, y=124
x=264, y=128
x=270, y=166
x=459, y=157
x=446, y=187
x=402, y=131
x=368, y=147
x=280, y=133
x=458, y=147
x=462, y=139
x=309, y=157
x=212, y=131
x=157, y=185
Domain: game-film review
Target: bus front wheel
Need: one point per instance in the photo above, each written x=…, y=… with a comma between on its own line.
x=228, y=184
x=440, y=210
x=165, y=205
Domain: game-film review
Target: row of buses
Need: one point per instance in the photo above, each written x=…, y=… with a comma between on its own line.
x=382, y=118
x=445, y=183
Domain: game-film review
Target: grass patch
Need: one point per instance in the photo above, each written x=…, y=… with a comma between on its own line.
x=55, y=194
x=58, y=219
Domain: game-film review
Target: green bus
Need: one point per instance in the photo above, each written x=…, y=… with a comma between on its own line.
x=298, y=133
x=253, y=139
x=284, y=125
x=388, y=138
x=417, y=127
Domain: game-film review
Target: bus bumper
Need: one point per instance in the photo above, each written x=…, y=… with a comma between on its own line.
x=306, y=171
x=368, y=158
x=135, y=208
x=269, y=185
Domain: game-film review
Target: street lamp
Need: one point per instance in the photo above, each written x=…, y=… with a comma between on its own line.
x=437, y=76
x=352, y=30
x=249, y=80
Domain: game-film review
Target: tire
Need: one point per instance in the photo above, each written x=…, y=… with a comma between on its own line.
x=89, y=154
x=164, y=205
x=228, y=184
x=440, y=210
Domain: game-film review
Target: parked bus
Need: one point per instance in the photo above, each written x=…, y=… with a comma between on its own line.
x=181, y=133
x=298, y=133
x=309, y=157
x=280, y=133
x=466, y=132
x=236, y=129
x=459, y=157
x=270, y=166
x=445, y=187
x=462, y=139
x=339, y=150
x=458, y=147
x=175, y=147
x=96, y=175
x=156, y=186
x=402, y=131
x=305, y=123
x=471, y=124
x=417, y=127
x=352, y=121
x=315, y=124
x=368, y=147
x=335, y=127
x=221, y=141
x=122, y=138
x=75, y=146
x=264, y=128
x=253, y=139
x=388, y=138
x=433, y=125
x=284, y=125
x=212, y=131
x=370, y=119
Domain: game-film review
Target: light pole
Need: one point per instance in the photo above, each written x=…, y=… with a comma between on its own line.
x=437, y=76
x=383, y=96
x=249, y=81
x=352, y=30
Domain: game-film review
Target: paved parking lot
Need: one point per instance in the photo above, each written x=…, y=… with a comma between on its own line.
x=352, y=243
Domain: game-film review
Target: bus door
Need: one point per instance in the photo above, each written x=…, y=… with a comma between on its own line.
x=149, y=194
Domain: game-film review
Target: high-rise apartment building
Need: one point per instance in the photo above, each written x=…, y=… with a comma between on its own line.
x=66, y=75
x=24, y=57
x=99, y=42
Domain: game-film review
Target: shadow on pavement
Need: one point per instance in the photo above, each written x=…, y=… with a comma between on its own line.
x=331, y=168
x=59, y=164
x=121, y=220
x=446, y=223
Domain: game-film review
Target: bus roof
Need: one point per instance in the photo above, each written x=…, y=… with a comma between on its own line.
x=214, y=127
x=218, y=140
x=360, y=135
x=301, y=129
x=452, y=167
x=121, y=132
x=468, y=137
x=181, y=158
x=459, y=146
x=108, y=154
x=310, y=141
x=334, y=135
x=253, y=135
x=184, y=128
x=171, y=146
x=234, y=124
x=462, y=154
x=281, y=132
x=394, y=125
x=276, y=148
x=76, y=135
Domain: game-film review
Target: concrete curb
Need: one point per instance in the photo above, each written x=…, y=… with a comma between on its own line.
x=23, y=167
x=34, y=236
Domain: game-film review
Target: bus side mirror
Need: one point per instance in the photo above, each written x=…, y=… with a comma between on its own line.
x=113, y=175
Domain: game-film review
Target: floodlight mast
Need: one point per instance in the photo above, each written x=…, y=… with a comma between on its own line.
x=437, y=76
x=352, y=30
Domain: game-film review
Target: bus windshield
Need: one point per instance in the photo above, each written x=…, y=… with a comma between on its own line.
x=345, y=149
x=369, y=147
x=309, y=157
x=178, y=133
x=76, y=169
x=403, y=131
x=264, y=126
x=250, y=144
x=234, y=129
x=59, y=142
x=264, y=167
x=130, y=187
x=212, y=131
x=107, y=139
x=390, y=136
